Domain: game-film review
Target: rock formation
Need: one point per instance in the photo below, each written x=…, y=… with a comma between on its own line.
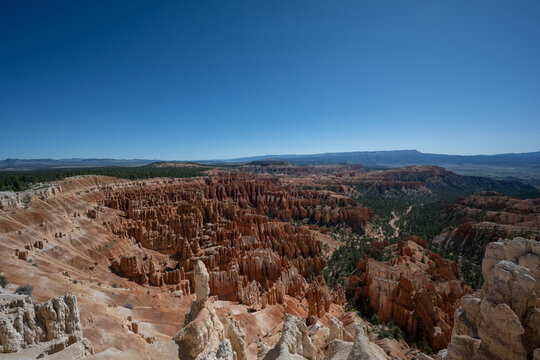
x=363, y=349
x=202, y=290
x=336, y=330
x=237, y=337
x=416, y=289
x=238, y=236
x=320, y=297
x=504, y=322
x=232, y=224
x=294, y=343
x=203, y=334
x=53, y=325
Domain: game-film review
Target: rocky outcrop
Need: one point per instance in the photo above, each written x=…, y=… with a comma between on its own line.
x=416, y=289
x=363, y=349
x=504, y=322
x=12, y=199
x=294, y=343
x=336, y=330
x=52, y=325
x=203, y=331
x=142, y=269
x=203, y=334
x=487, y=217
x=237, y=337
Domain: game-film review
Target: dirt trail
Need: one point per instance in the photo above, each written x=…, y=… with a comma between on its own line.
x=395, y=218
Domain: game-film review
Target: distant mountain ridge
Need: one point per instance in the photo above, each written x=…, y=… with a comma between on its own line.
x=511, y=166
x=33, y=164
x=398, y=157
x=390, y=158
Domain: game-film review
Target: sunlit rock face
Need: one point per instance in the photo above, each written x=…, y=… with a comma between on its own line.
x=504, y=321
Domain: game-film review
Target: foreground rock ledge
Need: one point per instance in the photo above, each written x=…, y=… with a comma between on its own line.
x=51, y=326
x=504, y=322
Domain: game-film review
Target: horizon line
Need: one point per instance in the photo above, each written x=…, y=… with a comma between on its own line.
x=265, y=155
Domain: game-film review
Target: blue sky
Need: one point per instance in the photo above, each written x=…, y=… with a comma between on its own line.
x=221, y=79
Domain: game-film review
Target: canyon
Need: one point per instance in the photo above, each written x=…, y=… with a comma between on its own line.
x=231, y=265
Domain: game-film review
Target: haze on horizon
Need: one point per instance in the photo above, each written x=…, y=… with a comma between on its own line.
x=215, y=80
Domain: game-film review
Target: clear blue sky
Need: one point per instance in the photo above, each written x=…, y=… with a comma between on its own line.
x=219, y=79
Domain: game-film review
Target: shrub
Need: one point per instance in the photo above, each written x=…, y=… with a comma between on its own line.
x=129, y=305
x=75, y=281
x=3, y=281
x=396, y=332
x=374, y=320
x=384, y=332
x=424, y=346
x=390, y=331
x=24, y=290
x=115, y=285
